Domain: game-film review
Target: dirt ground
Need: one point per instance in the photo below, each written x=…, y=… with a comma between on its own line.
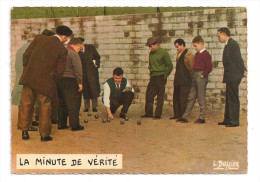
x=155, y=146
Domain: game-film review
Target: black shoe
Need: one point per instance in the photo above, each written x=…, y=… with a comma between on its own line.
x=223, y=123
x=35, y=123
x=32, y=129
x=146, y=116
x=60, y=127
x=54, y=121
x=183, y=120
x=232, y=125
x=25, y=135
x=94, y=109
x=77, y=128
x=173, y=117
x=200, y=121
x=156, y=117
x=86, y=110
x=46, y=139
x=122, y=115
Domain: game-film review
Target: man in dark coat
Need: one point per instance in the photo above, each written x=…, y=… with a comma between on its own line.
x=44, y=61
x=90, y=60
x=234, y=71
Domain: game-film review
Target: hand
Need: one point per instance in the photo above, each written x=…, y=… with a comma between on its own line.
x=245, y=73
x=201, y=76
x=80, y=87
x=110, y=116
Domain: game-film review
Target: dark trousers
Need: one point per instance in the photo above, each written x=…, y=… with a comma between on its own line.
x=232, y=107
x=27, y=103
x=180, y=99
x=124, y=99
x=156, y=87
x=69, y=102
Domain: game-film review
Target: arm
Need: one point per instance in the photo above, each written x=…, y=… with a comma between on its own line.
x=107, y=101
x=189, y=61
x=96, y=57
x=61, y=63
x=236, y=57
x=168, y=64
x=128, y=85
x=208, y=65
x=28, y=52
x=77, y=67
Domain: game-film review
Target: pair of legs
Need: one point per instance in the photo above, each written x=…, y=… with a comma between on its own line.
x=180, y=98
x=156, y=87
x=232, y=106
x=69, y=102
x=197, y=91
x=124, y=99
x=87, y=104
x=28, y=99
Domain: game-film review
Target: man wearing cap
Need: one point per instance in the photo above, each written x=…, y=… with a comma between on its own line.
x=44, y=61
x=160, y=66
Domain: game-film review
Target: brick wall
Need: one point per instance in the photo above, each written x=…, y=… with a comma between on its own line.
x=120, y=41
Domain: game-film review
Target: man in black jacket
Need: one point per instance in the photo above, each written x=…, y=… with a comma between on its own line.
x=234, y=71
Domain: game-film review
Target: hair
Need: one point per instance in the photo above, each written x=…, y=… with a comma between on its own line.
x=118, y=71
x=82, y=39
x=75, y=41
x=47, y=32
x=180, y=42
x=198, y=39
x=64, y=30
x=224, y=30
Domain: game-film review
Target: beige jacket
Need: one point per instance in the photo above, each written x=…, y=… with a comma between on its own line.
x=188, y=60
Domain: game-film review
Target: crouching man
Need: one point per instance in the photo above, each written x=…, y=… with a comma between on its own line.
x=117, y=92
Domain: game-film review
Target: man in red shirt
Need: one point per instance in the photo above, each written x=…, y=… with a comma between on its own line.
x=202, y=67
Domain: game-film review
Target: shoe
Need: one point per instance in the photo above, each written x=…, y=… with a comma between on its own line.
x=35, y=123
x=94, y=109
x=156, y=117
x=46, y=139
x=85, y=110
x=77, y=128
x=146, y=116
x=223, y=123
x=200, y=121
x=232, y=125
x=25, y=135
x=173, y=117
x=183, y=120
x=54, y=121
x=122, y=115
x=60, y=127
x=32, y=129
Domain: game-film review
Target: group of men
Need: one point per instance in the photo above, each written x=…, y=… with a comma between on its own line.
x=50, y=69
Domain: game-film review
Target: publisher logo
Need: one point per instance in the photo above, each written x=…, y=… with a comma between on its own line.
x=225, y=165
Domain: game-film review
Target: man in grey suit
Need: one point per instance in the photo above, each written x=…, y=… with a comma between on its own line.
x=234, y=71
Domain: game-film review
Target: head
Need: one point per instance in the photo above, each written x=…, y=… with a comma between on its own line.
x=198, y=43
x=118, y=75
x=76, y=43
x=47, y=32
x=223, y=34
x=180, y=45
x=153, y=43
x=82, y=40
x=64, y=33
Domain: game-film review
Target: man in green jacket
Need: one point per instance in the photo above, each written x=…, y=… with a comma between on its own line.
x=160, y=66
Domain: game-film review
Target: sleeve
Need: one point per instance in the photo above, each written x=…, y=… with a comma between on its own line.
x=61, y=63
x=168, y=64
x=28, y=52
x=236, y=57
x=189, y=61
x=77, y=67
x=208, y=65
x=106, y=95
x=129, y=86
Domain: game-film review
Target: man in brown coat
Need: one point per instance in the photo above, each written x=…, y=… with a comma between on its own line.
x=44, y=61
